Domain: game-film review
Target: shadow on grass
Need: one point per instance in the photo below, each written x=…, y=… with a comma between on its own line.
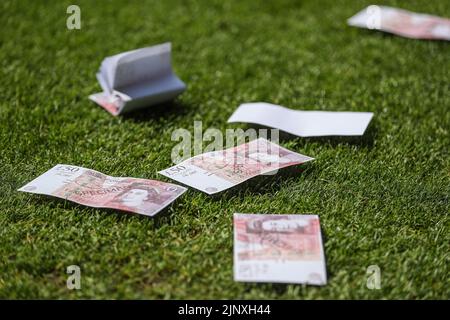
x=169, y=111
x=266, y=184
x=54, y=203
x=366, y=140
x=384, y=35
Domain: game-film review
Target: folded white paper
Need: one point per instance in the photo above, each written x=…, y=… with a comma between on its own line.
x=303, y=123
x=137, y=79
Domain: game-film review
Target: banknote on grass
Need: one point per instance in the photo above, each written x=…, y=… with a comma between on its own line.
x=216, y=171
x=278, y=248
x=92, y=188
x=402, y=22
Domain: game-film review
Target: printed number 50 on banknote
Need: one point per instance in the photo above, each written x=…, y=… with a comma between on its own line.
x=95, y=189
x=216, y=171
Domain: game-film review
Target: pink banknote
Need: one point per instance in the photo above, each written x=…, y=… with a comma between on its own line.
x=278, y=248
x=403, y=23
x=216, y=171
x=95, y=189
x=111, y=103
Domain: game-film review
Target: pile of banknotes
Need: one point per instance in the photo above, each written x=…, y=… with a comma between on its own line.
x=267, y=247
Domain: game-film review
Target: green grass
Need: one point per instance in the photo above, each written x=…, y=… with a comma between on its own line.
x=382, y=199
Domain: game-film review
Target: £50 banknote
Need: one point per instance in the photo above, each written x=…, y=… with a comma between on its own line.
x=95, y=189
x=402, y=22
x=278, y=248
x=216, y=171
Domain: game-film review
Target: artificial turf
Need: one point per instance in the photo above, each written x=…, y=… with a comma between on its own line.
x=382, y=199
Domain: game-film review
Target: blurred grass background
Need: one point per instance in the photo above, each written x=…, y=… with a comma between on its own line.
x=382, y=199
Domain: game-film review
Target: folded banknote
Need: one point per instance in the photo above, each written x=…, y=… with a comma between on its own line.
x=94, y=189
x=402, y=22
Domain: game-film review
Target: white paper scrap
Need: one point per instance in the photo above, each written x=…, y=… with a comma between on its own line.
x=303, y=123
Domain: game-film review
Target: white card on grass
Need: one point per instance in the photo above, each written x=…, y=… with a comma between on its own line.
x=303, y=123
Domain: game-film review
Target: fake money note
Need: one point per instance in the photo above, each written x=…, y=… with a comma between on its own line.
x=402, y=22
x=278, y=248
x=216, y=171
x=94, y=189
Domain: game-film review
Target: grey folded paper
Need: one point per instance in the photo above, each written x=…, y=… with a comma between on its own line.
x=137, y=79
